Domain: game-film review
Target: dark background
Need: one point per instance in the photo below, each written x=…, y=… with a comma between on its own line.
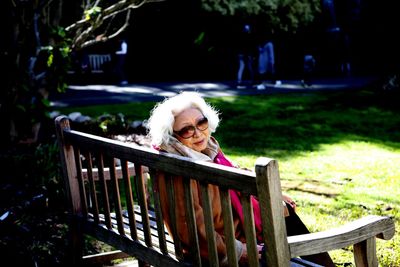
x=162, y=42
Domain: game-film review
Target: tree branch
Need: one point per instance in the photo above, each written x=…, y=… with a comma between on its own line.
x=105, y=38
x=83, y=30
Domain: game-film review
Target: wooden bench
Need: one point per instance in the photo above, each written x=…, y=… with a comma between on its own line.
x=96, y=62
x=132, y=221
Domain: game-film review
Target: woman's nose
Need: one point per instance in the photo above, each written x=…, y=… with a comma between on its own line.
x=197, y=132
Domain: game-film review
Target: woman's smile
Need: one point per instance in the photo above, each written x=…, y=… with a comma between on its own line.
x=199, y=142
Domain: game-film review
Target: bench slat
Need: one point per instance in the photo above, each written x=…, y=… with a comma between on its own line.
x=129, y=199
x=157, y=207
x=103, y=187
x=228, y=227
x=250, y=233
x=81, y=183
x=172, y=214
x=116, y=197
x=209, y=224
x=191, y=222
x=141, y=189
x=92, y=187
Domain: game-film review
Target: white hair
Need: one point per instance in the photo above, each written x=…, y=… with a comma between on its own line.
x=162, y=117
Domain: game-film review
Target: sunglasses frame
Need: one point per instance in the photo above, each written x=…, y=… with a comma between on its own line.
x=193, y=128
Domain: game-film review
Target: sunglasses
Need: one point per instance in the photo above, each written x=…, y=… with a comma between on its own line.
x=188, y=131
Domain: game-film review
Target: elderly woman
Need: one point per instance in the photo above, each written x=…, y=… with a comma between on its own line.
x=183, y=125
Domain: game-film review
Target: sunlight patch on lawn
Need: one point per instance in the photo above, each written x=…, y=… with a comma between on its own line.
x=362, y=165
x=344, y=175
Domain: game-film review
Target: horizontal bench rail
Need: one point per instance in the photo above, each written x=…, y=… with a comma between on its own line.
x=206, y=172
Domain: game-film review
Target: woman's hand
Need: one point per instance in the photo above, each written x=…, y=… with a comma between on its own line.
x=244, y=260
x=259, y=249
x=288, y=200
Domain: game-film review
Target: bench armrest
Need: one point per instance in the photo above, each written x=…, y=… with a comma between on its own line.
x=340, y=237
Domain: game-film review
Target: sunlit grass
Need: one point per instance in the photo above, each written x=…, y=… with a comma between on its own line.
x=338, y=153
x=341, y=182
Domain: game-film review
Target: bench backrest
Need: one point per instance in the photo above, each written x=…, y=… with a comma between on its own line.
x=114, y=169
x=96, y=62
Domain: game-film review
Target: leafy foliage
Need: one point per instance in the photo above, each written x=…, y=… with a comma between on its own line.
x=39, y=51
x=280, y=15
x=36, y=51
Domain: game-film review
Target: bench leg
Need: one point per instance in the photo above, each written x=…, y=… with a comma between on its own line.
x=76, y=245
x=365, y=253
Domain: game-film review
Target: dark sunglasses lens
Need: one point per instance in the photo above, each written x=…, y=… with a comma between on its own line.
x=186, y=132
x=202, y=124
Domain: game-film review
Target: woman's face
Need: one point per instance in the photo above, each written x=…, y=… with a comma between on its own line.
x=190, y=118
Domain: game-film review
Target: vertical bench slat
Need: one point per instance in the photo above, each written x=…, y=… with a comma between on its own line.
x=92, y=188
x=250, y=232
x=209, y=224
x=129, y=199
x=172, y=214
x=273, y=224
x=191, y=222
x=81, y=183
x=365, y=253
x=141, y=193
x=228, y=227
x=157, y=208
x=103, y=190
x=117, y=200
x=143, y=209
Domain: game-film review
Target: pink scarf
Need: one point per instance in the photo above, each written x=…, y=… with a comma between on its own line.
x=235, y=199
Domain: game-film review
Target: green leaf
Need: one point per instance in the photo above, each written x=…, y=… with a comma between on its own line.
x=50, y=60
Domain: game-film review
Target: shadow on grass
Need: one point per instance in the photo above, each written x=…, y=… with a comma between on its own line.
x=284, y=125
x=316, y=187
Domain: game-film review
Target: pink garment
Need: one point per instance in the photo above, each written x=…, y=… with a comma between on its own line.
x=235, y=199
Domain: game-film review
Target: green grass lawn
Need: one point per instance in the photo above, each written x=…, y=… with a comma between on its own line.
x=338, y=152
